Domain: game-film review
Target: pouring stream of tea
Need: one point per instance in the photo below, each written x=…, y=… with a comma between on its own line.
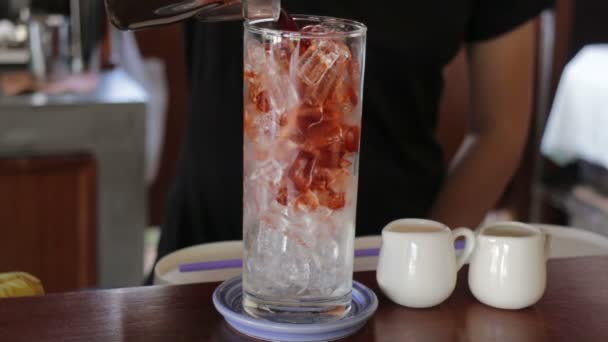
x=286, y=22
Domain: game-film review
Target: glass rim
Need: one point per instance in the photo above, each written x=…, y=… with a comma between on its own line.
x=358, y=29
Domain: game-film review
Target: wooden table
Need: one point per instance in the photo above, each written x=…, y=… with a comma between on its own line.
x=574, y=308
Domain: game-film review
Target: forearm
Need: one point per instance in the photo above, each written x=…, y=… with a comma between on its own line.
x=475, y=184
x=501, y=78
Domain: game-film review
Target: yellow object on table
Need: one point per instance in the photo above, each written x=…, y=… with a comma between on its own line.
x=19, y=284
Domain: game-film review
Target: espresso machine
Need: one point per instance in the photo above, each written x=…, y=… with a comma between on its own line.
x=58, y=37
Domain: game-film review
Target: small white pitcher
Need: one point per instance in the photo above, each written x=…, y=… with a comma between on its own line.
x=508, y=268
x=417, y=265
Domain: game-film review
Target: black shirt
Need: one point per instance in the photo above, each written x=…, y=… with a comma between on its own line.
x=401, y=169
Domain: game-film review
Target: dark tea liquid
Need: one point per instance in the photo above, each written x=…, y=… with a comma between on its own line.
x=286, y=22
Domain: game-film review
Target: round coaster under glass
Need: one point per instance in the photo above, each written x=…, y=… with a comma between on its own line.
x=228, y=300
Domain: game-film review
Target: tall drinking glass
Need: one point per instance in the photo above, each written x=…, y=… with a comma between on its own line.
x=302, y=124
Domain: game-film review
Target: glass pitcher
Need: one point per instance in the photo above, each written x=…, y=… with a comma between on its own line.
x=138, y=14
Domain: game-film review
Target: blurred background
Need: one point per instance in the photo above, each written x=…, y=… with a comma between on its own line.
x=91, y=121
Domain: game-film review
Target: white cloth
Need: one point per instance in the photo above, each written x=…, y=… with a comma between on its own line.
x=578, y=124
x=150, y=74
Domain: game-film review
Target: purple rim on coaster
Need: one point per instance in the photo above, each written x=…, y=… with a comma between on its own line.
x=227, y=299
x=238, y=263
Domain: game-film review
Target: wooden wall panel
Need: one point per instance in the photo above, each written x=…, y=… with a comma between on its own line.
x=48, y=219
x=564, y=24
